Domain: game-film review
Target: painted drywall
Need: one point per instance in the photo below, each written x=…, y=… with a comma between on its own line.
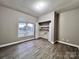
x=37, y=30
x=69, y=27
x=49, y=17
x=9, y=24
x=46, y=17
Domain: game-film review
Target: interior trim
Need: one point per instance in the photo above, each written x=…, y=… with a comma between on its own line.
x=69, y=44
x=9, y=44
x=51, y=42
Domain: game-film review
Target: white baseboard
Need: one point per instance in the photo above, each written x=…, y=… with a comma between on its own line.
x=46, y=39
x=69, y=44
x=51, y=42
x=8, y=44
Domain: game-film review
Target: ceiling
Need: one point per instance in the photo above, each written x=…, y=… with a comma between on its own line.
x=31, y=7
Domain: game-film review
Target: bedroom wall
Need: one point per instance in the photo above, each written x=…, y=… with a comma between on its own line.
x=9, y=24
x=69, y=27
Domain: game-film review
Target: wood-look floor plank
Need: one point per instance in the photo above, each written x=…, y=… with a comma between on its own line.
x=39, y=49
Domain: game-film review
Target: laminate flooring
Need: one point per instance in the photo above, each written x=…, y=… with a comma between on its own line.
x=39, y=49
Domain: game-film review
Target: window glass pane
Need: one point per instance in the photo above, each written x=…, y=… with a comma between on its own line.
x=25, y=30
x=30, y=29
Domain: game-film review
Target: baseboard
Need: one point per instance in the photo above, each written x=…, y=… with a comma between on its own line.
x=51, y=42
x=42, y=38
x=8, y=44
x=69, y=44
x=46, y=39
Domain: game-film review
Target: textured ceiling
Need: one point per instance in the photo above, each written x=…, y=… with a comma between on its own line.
x=26, y=6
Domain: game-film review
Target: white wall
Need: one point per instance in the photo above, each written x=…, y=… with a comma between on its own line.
x=49, y=17
x=9, y=24
x=69, y=27
x=46, y=17
x=37, y=30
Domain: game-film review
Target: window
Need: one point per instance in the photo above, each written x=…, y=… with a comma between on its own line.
x=25, y=29
x=30, y=29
